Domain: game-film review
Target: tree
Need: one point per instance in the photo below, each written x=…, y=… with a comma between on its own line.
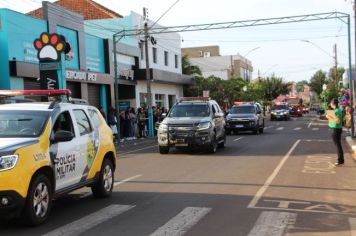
x=300, y=85
x=272, y=87
x=317, y=81
x=188, y=68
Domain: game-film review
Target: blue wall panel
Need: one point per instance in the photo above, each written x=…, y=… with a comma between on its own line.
x=94, y=51
x=71, y=37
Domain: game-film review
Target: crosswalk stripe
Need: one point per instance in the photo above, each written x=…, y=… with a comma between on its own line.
x=280, y=128
x=352, y=222
x=181, y=223
x=315, y=129
x=88, y=222
x=273, y=223
x=298, y=128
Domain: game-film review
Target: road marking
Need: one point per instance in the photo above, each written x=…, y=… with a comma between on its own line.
x=127, y=180
x=88, y=222
x=352, y=222
x=136, y=150
x=280, y=128
x=301, y=206
x=268, y=127
x=315, y=129
x=115, y=184
x=310, y=124
x=238, y=139
x=278, y=124
x=181, y=223
x=319, y=165
x=270, y=179
x=316, y=140
x=298, y=128
x=273, y=223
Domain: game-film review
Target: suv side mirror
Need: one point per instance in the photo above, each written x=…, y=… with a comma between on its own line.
x=163, y=115
x=63, y=136
x=259, y=112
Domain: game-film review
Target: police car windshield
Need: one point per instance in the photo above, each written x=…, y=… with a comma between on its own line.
x=280, y=107
x=22, y=124
x=242, y=110
x=190, y=110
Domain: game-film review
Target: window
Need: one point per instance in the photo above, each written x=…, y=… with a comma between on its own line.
x=154, y=54
x=190, y=110
x=20, y=124
x=159, y=100
x=94, y=117
x=63, y=122
x=165, y=58
x=82, y=122
x=176, y=61
x=206, y=54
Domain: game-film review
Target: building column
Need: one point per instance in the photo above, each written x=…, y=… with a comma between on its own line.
x=84, y=91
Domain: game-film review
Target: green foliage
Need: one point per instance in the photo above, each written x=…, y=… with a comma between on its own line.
x=300, y=85
x=188, y=68
x=317, y=81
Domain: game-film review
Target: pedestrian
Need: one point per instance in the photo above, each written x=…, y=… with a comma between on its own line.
x=127, y=125
x=133, y=122
x=347, y=122
x=122, y=126
x=141, y=121
x=335, y=123
x=112, y=121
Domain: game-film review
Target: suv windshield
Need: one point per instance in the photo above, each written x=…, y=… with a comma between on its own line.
x=242, y=110
x=190, y=110
x=280, y=107
x=21, y=124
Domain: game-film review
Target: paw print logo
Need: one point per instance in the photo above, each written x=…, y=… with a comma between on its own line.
x=49, y=47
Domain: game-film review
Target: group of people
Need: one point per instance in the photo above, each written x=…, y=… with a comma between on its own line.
x=133, y=123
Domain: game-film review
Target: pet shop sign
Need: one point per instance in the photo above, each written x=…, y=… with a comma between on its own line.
x=49, y=48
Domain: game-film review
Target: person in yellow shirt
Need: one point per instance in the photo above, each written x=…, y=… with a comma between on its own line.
x=335, y=123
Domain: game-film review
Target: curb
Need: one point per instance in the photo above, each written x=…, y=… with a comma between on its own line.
x=352, y=145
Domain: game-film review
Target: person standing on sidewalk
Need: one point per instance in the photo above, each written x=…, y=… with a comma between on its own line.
x=335, y=123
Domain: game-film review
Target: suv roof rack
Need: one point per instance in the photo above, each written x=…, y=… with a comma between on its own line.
x=187, y=99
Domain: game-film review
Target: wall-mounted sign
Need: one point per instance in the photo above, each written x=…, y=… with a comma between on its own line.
x=81, y=75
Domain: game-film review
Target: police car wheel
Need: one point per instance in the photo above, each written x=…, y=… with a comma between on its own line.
x=103, y=187
x=39, y=201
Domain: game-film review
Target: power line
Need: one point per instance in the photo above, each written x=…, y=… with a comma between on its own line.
x=164, y=13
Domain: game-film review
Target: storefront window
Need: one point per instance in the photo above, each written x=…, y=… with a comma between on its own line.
x=159, y=100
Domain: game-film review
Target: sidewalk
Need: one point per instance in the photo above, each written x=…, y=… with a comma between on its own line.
x=352, y=144
x=129, y=145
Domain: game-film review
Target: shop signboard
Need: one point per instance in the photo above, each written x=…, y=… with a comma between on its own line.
x=49, y=48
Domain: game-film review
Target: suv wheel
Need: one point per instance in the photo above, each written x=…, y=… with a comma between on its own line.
x=39, y=201
x=163, y=149
x=103, y=187
x=213, y=145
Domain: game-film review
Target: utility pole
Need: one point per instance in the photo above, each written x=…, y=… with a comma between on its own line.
x=148, y=77
x=335, y=57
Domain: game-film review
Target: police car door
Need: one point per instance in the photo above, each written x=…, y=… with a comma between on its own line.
x=86, y=144
x=64, y=154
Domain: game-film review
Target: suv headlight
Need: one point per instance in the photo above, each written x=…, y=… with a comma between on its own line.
x=204, y=126
x=8, y=162
x=163, y=127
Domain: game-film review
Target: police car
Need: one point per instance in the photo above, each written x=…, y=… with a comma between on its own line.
x=48, y=149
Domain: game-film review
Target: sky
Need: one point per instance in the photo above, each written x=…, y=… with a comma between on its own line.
x=281, y=49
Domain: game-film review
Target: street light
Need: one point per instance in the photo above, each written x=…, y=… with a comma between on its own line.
x=317, y=46
x=244, y=56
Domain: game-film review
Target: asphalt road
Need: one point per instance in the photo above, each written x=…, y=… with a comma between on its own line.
x=277, y=183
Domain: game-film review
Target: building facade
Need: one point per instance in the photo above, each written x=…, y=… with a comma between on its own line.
x=212, y=63
x=89, y=66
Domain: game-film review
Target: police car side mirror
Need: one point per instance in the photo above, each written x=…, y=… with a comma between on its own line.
x=63, y=136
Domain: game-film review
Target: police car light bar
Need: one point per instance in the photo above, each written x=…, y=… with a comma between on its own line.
x=55, y=92
x=194, y=99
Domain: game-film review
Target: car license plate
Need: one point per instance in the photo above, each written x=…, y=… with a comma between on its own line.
x=278, y=116
x=239, y=126
x=181, y=144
